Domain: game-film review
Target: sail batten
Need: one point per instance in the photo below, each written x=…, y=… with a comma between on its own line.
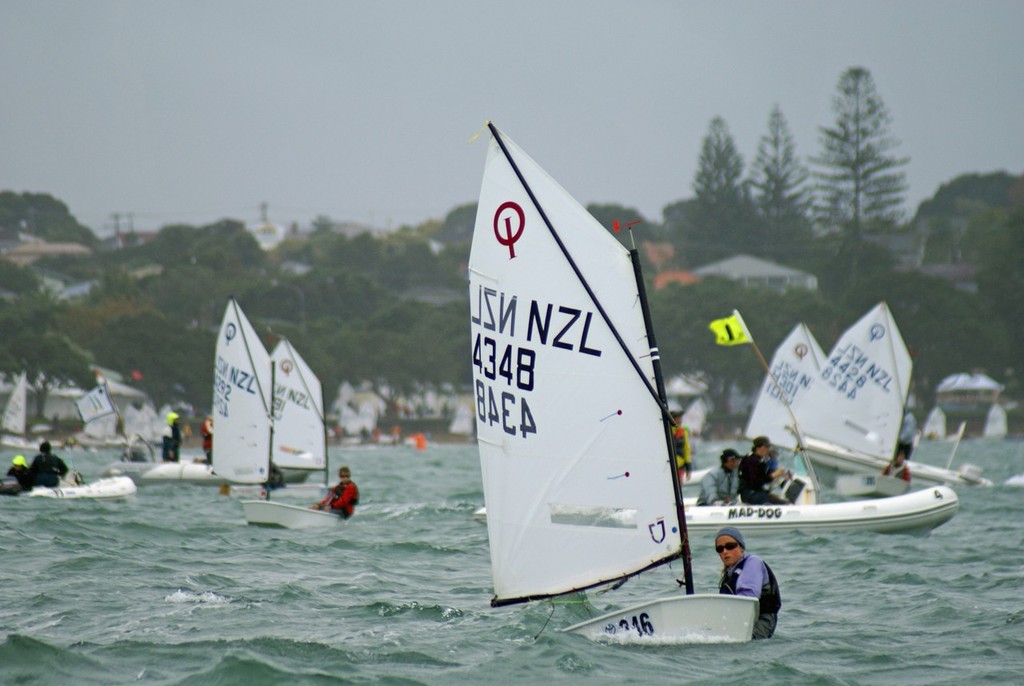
x=568, y=417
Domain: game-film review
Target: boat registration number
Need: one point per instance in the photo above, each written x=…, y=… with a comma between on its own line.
x=640, y=624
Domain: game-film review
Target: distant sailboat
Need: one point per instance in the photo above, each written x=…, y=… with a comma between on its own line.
x=995, y=422
x=935, y=425
x=15, y=416
x=852, y=415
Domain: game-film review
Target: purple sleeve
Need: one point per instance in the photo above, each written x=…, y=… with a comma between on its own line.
x=752, y=577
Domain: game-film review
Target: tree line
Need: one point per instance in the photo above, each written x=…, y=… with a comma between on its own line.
x=392, y=310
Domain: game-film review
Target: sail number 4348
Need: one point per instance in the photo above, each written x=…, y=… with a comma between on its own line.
x=509, y=367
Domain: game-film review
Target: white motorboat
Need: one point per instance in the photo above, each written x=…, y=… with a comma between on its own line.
x=915, y=513
x=110, y=488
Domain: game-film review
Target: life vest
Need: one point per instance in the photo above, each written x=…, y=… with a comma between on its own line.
x=681, y=443
x=344, y=499
x=771, y=597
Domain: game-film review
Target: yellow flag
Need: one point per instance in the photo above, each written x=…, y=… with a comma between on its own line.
x=730, y=331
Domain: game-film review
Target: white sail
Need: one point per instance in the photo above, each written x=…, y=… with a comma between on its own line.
x=299, y=438
x=241, y=401
x=858, y=399
x=15, y=412
x=695, y=417
x=96, y=404
x=573, y=450
x=935, y=425
x=462, y=421
x=995, y=422
x=795, y=367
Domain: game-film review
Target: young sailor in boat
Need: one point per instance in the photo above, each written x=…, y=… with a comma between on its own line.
x=343, y=498
x=898, y=467
x=19, y=478
x=720, y=486
x=172, y=438
x=747, y=574
x=681, y=444
x=908, y=431
x=757, y=472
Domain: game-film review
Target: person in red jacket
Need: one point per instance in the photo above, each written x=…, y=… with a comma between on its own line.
x=343, y=498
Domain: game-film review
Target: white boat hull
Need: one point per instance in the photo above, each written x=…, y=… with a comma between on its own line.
x=110, y=488
x=198, y=473
x=831, y=460
x=910, y=513
x=676, y=619
x=870, y=485
x=270, y=513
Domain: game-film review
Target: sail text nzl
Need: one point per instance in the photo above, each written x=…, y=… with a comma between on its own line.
x=844, y=373
x=567, y=327
x=290, y=395
x=227, y=378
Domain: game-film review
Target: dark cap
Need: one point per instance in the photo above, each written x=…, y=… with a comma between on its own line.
x=762, y=440
x=729, y=454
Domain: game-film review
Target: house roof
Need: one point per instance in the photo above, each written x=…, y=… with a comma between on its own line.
x=747, y=265
x=968, y=382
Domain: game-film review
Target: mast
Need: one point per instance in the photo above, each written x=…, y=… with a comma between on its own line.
x=659, y=379
x=270, y=417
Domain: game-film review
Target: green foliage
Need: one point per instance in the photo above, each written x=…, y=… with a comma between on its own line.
x=780, y=194
x=861, y=179
x=43, y=216
x=721, y=215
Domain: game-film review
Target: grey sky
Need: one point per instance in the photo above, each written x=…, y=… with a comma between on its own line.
x=190, y=111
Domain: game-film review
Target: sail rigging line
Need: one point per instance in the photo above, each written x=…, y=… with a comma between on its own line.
x=575, y=268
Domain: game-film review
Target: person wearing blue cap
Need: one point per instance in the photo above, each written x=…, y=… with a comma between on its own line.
x=747, y=574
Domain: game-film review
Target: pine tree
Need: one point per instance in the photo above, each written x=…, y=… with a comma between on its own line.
x=860, y=181
x=780, y=193
x=721, y=210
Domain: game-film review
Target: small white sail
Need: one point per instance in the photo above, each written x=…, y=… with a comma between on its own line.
x=995, y=422
x=795, y=367
x=462, y=421
x=573, y=450
x=935, y=425
x=15, y=412
x=858, y=399
x=299, y=438
x=695, y=417
x=242, y=398
x=95, y=404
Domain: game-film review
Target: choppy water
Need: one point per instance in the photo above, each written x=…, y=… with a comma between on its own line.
x=172, y=587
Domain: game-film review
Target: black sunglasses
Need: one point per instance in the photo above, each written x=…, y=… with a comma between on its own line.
x=731, y=545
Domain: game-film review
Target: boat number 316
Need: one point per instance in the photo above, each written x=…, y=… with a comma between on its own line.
x=640, y=624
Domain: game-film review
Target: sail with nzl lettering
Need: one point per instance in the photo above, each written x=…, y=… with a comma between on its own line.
x=794, y=370
x=300, y=441
x=242, y=401
x=859, y=396
x=572, y=418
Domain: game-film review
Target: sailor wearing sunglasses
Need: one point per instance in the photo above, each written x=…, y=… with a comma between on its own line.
x=746, y=574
